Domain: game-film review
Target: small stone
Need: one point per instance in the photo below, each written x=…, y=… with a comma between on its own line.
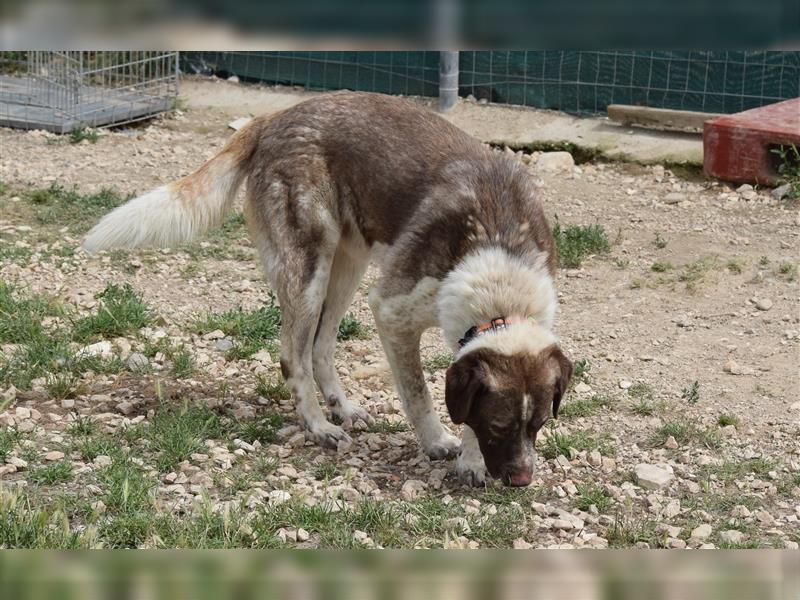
x=728, y=430
x=553, y=162
x=595, y=458
x=740, y=511
x=674, y=197
x=412, y=489
x=701, y=532
x=98, y=507
x=780, y=192
x=671, y=443
x=68, y=403
x=582, y=388
x=237, y=124
x=624, y=384
x=217, y=334
x=672, y=509
x=54, y=455
x=103, y=349
x=125, y=407
x=676, y=543
x=137, y=361
x=302, y=535
x=653, y=477
x=735, y=368
x=521, y=544
x=102, y=461
x=732, y=536
x=19, y=463
x=762, y=303
x=224, y=344
x=791, y=545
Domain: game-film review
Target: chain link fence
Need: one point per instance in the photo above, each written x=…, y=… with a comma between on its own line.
x=578, y=82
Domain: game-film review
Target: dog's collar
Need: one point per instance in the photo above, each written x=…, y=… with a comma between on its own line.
x=494, y=325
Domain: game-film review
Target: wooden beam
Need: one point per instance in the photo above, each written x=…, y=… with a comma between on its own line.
x=665, y=119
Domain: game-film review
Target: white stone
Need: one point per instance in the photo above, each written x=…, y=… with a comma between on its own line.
x=732, y=536
x=653, y=477
x=553, y=162
x=54, y=455
x=412, y=488
x=582, y=388
x=237, y=124
x=701, y=532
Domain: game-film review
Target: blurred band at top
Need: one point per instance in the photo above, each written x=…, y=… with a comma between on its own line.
x=382, y=24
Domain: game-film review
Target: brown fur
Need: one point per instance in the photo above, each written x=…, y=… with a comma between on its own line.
x=486, y=390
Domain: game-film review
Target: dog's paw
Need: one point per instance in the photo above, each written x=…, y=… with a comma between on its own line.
x=327, y=434
x=348, y=413
x=471, y=471
x=446, y=445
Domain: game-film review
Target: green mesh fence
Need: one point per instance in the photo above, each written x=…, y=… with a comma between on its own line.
x=576, y=82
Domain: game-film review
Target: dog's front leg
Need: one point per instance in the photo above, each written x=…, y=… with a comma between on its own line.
x=470, y=467
x=401, y=345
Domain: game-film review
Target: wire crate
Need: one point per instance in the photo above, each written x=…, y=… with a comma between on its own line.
x=65, y=91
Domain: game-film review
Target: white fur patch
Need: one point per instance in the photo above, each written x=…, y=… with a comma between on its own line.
x=491, y=283
x=166, y=216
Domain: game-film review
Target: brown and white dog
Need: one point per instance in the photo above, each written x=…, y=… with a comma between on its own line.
x=347, y=178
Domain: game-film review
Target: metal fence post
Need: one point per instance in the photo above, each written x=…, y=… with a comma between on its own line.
x=448, y=80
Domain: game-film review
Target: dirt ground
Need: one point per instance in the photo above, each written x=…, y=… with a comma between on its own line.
x=687, y=331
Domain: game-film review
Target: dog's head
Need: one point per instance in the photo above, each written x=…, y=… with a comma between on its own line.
x=506, y=399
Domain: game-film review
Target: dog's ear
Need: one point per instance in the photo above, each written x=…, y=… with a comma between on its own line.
x=464, y=382
x=563, y=367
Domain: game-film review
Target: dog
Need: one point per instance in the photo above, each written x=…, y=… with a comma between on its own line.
x=347, y=178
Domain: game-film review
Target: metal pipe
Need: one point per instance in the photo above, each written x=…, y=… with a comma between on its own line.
x=448, y=80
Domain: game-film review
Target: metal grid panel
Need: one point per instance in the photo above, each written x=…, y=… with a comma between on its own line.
x=571, y=81
x=63, y=91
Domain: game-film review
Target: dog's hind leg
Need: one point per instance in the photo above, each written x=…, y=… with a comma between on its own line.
x=348, y=267
x=297, y=240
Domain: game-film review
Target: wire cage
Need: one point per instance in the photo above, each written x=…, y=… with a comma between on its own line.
x=65, y=91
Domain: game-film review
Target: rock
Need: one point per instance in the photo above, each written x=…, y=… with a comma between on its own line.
x=54, y=455
x=98, y=507
x=302, y=535
x=653, y=477
x=554, y=162
x=732, y=536
x=735, y=368
x=68, y=403
x=672, y=509
x=701, y=532
x=521, y=544
x=263, y=356
x=19, y=463
x=740, y=511
x=624, y=384
x=102, y=461
x=233, y=79
x=671, y=443
x=276, y=497
x=790, y=545
x=674, y=197
x=781, y=192
x=728, y=430
x=412, y=488
x=137, y=361
x=582, y=388
x=103, y=349
x=224, y=344
x=765, y=518
x=595, y=458
x=676, y=543
x=745, y=187
x=125, y=407
x=217, y=334
x=762, y=303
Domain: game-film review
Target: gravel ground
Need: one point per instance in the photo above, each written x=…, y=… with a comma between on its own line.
x=681, y=430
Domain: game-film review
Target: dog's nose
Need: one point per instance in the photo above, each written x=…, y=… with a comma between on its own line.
x=521, y=478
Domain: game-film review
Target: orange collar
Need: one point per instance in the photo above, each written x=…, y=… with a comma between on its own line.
x=494, y=325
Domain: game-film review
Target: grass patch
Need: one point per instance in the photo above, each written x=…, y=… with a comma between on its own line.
x=382, y=426
x=788, y=270
x=325, y=471
x=691, y=393
x=788, y=158
x=727, y=419
x=685, y=431
x=580, y=371
x=254, y=329
x=695, y=272
x=575, y=242
x=21, y=315
x=735, y=266
x=175, y=434
x=661, y=266
x=559, y=444
x=593, y=494
x=61, y=207
x=734, y=469
x=350, y=328
x=437, y=362
x=62, y=385
x=264, y=429
x=272, y=388
x=586, y=407
x=78, y=135
x=51, y=474
x=627, y=531
x=659, y=242
x=24, y=525
x=183, y=363
x=9, y=436
x=121, y=312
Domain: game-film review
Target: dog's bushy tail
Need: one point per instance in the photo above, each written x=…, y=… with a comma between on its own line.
x=184, y=209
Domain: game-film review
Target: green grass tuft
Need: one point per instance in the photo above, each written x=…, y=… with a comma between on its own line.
x=727, y=419
x=51, y=474
x=60, y=207
x=574, y=243
x=272, y=388
x=351, y=328
x=437, y=362
x=254, y=329
x=121, y=312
